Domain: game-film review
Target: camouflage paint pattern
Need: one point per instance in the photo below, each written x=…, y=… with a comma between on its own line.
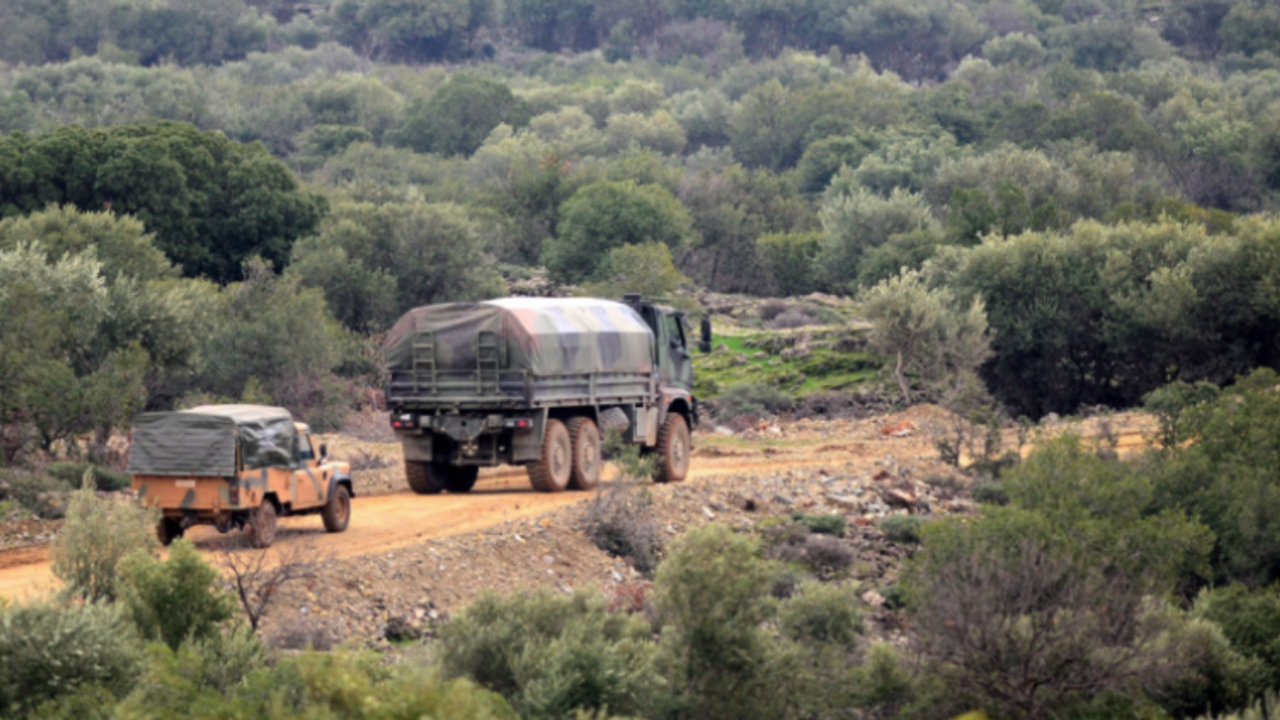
x=545, y=336
x=275, y=464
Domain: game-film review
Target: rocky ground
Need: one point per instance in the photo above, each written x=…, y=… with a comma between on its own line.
x=878, y=467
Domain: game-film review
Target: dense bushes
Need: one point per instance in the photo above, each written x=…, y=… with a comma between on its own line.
x=49, y=651
x=211, y=202
x=1228, y=478
x=1101, y=315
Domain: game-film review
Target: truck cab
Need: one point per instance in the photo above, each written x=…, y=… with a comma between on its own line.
x=673, y=357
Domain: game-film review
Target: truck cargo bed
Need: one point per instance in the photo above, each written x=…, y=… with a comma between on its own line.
x=519, y=353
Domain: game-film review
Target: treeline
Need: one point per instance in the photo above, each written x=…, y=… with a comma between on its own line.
x=384, y=186
x=917, y=39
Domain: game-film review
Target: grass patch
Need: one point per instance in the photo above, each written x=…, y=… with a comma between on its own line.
x=758, y=358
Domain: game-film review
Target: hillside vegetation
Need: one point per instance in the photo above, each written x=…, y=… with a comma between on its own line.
x=1020, y=208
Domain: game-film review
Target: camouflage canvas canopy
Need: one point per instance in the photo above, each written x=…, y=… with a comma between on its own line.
x=545, y=336
x=202, y=441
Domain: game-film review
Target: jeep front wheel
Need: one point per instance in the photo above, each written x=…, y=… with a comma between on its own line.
x=337, y=512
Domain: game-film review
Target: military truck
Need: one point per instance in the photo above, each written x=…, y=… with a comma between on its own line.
x=235, y=466
x=535, y=382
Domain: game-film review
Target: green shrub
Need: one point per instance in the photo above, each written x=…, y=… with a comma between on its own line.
x=91, y=702
x=902, y=529
x=712, y=597
x=1217, y=677
x=550, y=655
x=829, y=524
x=1268, y=708
x=308, y=685
x=990, y=492
x=105, y=479
x=1250, y=620
x=620, y=521
x=752, y=400
x=176, y=599
x=822, y=613
x=1229, y=478
x=96, y=535
x=198, y=676
x=50, y=651
x=44, y=497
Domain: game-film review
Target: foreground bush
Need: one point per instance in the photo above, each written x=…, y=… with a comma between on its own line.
x=1029, y=623
x=176, y=599
x=712, y=596
x=551, y=655
x=50, y=651
x=1229, y=477
x=96, y=535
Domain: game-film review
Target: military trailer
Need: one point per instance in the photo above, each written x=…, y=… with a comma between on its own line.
x=534, y=382
x=235, y=466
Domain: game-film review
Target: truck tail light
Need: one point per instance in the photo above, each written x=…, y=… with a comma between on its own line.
x=235, y=496
x=402, y=421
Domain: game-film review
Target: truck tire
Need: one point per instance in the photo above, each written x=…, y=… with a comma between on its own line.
x=461, y=479
x=337, y=512
x=424, y=478
x=262, y=525
x=585, y=438
x=551, y=472
x=168, y=530
x=673, y=449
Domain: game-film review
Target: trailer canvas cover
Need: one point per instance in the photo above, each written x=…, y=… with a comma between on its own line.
x=202, y=441
x=546, y=336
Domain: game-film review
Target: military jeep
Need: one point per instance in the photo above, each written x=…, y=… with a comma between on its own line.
x=235, y=467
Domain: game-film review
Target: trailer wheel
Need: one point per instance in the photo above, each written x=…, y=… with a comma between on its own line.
x=337, y=512
x=460, y=479
x=168, y=530
x=262, y=525
x=585, y=437
x=551, y=472
x=424, y=478
x=673, y=449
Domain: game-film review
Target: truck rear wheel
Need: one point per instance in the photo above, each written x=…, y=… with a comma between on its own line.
x=168, y=530
x=551, y=472
x=262, y=525
x=337, y=512
x=424, y=478
x=673, y=449
x=585, y=438
x=460, y=479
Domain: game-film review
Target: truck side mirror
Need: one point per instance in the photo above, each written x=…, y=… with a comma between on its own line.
x=705, y=344
x=324, y=450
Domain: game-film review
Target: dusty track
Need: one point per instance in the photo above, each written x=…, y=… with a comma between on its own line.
x=382, y=523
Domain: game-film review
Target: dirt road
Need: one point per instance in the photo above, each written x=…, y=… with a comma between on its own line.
x=383, y=523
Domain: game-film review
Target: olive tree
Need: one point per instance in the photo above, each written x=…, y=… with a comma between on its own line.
x=925, y=332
